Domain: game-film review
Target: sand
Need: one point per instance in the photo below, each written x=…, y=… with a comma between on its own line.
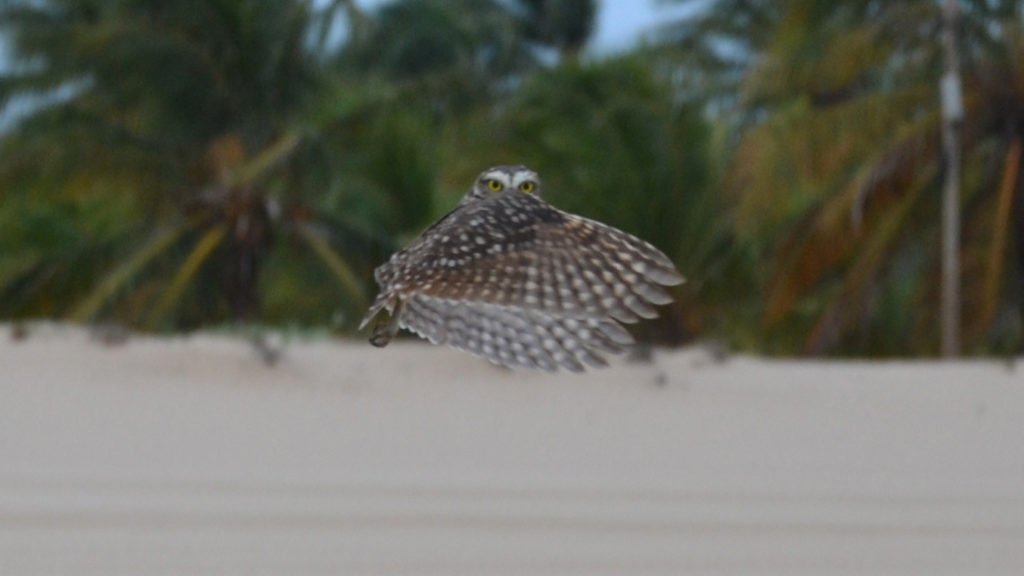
x=191, y=456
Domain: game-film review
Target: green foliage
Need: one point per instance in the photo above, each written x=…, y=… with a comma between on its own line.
x=444, y=55
x=836, y=164
x=208, y=119
x=565, y=25
x=191, y=163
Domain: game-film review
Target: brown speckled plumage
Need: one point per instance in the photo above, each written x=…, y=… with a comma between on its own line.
x=508, y=277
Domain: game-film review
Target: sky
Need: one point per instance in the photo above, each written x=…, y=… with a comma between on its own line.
x=620, y=22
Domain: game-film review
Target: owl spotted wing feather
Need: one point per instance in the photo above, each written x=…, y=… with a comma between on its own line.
x=512, y=279
x=516, y=250
x=513, y=336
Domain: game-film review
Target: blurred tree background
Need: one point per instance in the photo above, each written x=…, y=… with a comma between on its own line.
x=175, y=165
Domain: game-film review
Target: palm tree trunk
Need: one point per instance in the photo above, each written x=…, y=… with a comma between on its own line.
x=952, y=118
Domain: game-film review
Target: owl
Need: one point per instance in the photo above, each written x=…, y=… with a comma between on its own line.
x=508, y=277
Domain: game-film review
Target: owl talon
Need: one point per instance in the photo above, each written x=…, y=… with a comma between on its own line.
x=380, y=340
x=384, y=330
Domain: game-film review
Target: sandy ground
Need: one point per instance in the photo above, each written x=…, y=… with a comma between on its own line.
x=190, y=456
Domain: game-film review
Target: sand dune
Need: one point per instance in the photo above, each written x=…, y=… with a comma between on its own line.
x=190, y=456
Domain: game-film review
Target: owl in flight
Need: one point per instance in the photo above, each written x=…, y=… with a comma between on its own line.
x=508, y=277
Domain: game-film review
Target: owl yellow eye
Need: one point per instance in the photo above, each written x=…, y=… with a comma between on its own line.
x=527, y=186
x=494, y=185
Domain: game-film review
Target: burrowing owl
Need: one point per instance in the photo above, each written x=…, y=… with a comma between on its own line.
x=508, y=277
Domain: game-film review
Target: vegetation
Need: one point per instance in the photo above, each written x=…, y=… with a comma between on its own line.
x=836, y=169
x=176, y=165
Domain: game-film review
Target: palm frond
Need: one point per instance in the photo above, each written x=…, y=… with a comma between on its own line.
x=335, y=263
x=186, y=272
x=115, y=280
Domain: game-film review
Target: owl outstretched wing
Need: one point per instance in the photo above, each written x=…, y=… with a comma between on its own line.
x=514, y=336
x=516, y=250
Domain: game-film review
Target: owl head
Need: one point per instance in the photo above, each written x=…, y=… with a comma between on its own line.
x=503, y=179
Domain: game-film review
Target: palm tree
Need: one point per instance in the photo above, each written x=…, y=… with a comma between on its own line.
x=232, y=159
x=564, y=25
x=837, y=166
x=442, y=55
x=178, y=144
